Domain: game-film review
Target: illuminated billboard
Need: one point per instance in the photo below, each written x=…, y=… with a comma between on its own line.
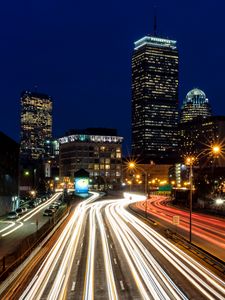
x=81, y=185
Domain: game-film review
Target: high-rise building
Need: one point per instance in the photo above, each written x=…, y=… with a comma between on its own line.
x=198, y=136
x=155, y=99
x=36, y=124
x=195, y=105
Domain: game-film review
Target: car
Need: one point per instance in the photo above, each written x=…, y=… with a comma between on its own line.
x=53, y=208
x=12, y=215
x=38, y=201
x=57, y=203
x=48, y=212
x=32, y=204
x=43, y=198
x=19, y=211
x=24, y=208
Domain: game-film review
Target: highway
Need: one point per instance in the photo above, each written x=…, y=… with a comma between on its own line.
x=9, y=227
x=105, y=252
x=208, y=232
x=15, y=231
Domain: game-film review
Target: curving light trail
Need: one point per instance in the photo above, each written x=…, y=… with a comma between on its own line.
x=211, y=229
x=157, y=283
x=133, y=237
x=112, y=291
x=201, y=278
x=65, y=247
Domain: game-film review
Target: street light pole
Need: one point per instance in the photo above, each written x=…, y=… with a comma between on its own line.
x=132, y=165
x=191, y=187
x=216, y=151
x=189, y=161
x=146, y=192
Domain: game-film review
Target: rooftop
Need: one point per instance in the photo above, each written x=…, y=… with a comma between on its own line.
x=155, y=41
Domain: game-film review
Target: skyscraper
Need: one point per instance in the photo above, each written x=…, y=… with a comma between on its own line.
x=195, y=105
x=154, y=99
x=36, y=124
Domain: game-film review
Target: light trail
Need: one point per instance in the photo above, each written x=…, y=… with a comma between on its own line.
x=69, y=236
x=157, y=283
x=112, y=291
x=201, y=278
x=88, y=293
x=133, y=239
x=210, y=229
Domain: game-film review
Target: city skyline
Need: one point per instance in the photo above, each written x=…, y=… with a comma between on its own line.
x=53, y=52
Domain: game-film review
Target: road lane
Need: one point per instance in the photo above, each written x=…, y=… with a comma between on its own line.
x=105, y=247
x=21, y=221
x=208, y=232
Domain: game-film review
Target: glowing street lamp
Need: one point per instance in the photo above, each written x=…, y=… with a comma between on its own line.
x=131, y=165
x=216, y=149
x=216, y=152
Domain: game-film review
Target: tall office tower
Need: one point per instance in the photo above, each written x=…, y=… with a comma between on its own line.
x=195, y=105
x=36, y=124
x=154, y=99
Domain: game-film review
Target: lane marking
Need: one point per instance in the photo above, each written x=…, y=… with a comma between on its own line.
x=121, y=285
x=81, y=245
x=73, y=286
x=115, y=262
x=78, y=262
x=111, y=246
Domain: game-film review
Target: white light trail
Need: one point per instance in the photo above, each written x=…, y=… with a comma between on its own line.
x=157, y=284
x=65, y=246
x=88, y=293
x=132, y=236
x=201, y=278
x=107, y=259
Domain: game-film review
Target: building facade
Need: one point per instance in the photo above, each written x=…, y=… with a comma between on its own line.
x=36, y=124
x=195, y=105
x=155, y=99
x=100, y=155
x=198, y=135
x=135, y=179
x=9, y=170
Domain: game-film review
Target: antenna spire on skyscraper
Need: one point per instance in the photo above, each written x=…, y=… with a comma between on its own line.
x=155, y=23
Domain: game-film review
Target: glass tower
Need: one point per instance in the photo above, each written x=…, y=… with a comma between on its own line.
x=154, y=99
x=36, y=124
x=195, y=105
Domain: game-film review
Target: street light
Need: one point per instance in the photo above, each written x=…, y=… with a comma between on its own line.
x=133, y=165
x=189, y=161
x=215, y=150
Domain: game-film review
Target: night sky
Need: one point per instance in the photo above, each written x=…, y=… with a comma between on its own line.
x=79, y=52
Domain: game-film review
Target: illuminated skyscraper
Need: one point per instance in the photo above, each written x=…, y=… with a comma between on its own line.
x=154, y=99
x=195, y=105
x=36, y=124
